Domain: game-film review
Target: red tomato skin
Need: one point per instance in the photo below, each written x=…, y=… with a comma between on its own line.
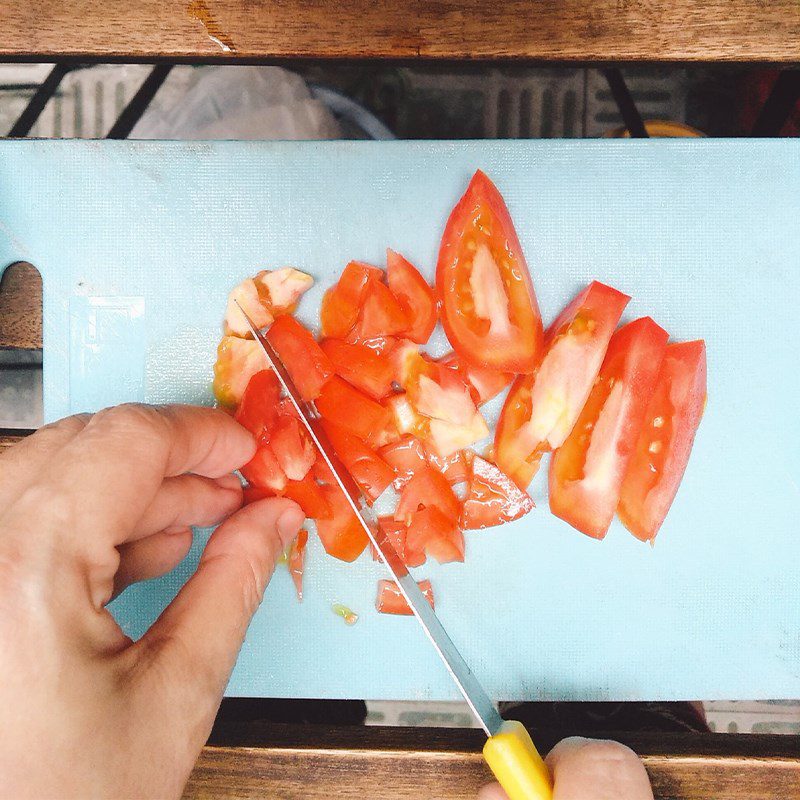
x=362, y=366
x=670, y=422
x=417, y=299
x=296, y=561
x=344, y=405
x=455, y=468
x=584, y=488
x=396, y=534
x=492, y=498
x=292, y=447
x=439, y=537
x=251, y=494
x=427, y=487
x=484, y=384
x=264, y=471
x=381, y=315
x=342, y=536
x=308, y=494
x=259, y=407
x=405, y=457
x=341, y=303
x=518, y=350
x=306, y=363
x=391, y=601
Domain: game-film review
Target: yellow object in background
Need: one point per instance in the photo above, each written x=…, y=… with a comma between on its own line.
x=658, y=128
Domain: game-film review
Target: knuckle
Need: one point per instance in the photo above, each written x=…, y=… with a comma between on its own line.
x=135, y=419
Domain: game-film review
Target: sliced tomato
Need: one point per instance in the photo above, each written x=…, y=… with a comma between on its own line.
x=343, y=404
x=342, y=536
x=541, y=409
x=427, y=488
x=484, y=383
x=396, y=534
x=435, y=534
x=342, y=302
x=492, y=497
x=264, y=470
x=259, y=407
x=417, y=299
x=381, y=314
x=364, y=367
x=283, y=288
x=322, y=472
x=296, y=560
x=255, y=304
x=488, y=306
x=303, y=358
x=367, y=468
x=662, y=450
x=586, y=472
x=308, y=494
x=455, y=467
x=237, y=361
x=390, y=599
x=292, y=447
x=250, y=494
x=405, y=456
x=405, y=418
x=403, y=355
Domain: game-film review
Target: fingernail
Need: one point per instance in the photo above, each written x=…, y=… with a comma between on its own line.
x=289, y=524
x=229, y=482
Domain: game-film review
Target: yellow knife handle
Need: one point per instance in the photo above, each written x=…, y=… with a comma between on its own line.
x=516, y=763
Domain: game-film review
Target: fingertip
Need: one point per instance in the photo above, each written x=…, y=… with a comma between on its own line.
x=289, y=523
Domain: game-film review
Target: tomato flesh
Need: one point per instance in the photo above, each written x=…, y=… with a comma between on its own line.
x=390, y=599
x=247, y=297
x=283, y=288
x=541, y=409
x=492, y=497
x=484, y=384
x=366, y=467
x=381, y=314
x=404, y=416
x=264, y=470
x=417, y=299
x=586, y=472
x=342, y=536
x=435, y=534
x=292, y=447
x=427, y=488
x=308, y=494
x=665, y=440
x=341, y=303
x=237, y=361
x=343, y=404
x=296, y=561
x=488, y=307
x=259, y=407
x=405, y=457
x=455, y=467
x=396, y=533
x=364, y=367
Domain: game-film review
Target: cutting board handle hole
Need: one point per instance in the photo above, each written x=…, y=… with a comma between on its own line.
x=21, y=307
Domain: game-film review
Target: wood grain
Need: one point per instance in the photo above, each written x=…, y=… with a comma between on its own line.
x=21, y=307
x=541, y=30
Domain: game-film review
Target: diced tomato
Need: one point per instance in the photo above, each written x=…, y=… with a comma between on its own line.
x=381, y=314
x=484, y=383
x=396, y=534
x=322, y=472
x=390, y=599
x=343, y=404
x=303, y=358
x=542, y=408
x=259, y=407
x=250, y=494
x=455, y=467
x=446, y=438
x=237, y=361
x=264, y=470
x=436, y=535
x=309, y=496
x=342, y=536
x=296, y=560
x=427, y=488
x=586, y=472
x=405, y=456
x=403, y=356
x=492, y=497
x=417, y=299
x=488, y=306
x=367, y=468
x=362, y=366
x=662, y=450
x=341, y=303
x=292, y=447
x=404, y=416
x=284, y=287
x=246, y=296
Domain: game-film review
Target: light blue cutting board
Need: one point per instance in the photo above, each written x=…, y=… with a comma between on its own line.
x=139, y=243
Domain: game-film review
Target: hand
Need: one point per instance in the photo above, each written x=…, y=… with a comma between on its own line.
x=590, y=769
x=88, y=506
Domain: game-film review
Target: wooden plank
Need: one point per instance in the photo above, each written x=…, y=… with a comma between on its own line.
x=21, y=307
x=312, y=762
x=546, y=30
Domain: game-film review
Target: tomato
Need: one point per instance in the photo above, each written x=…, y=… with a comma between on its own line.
x=292, y=447
x=416, y=298
x=542, y=408
x=309, y=496
x=405, y=456
x=665, y=441
x=296, y=560
x=427, y=488
x=484, y=384
x=251, y=494
x=343, y=404
x=403, y=355
x=586, y=472
x=322, y=472
x=436, y=535
x=342, y=536
x=367, y=468
x=492, y=497
x=237, y=361
x=341, y=303
x=364, y=367
x=283, y=288
x=259, y=407
x=404, y=416
x=454, y=467
x=488, y=306
x=264, y=470
x=303, y=358
x=390, y=599
x=381, y=314
x=246, y=296
x=396, y=534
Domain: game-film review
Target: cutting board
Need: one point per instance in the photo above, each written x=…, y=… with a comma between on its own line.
x=139, y=243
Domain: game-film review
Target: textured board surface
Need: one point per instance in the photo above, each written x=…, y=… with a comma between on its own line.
x=138, y=244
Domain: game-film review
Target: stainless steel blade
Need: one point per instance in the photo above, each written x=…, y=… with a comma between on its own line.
x=475, y=695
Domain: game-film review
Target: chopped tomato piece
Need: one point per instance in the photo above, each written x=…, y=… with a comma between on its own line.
x=322, y=472
x=488, y=306
x=404, y=416
x=283, y=287
x=436, y=535
x=425, y=489
x=341, y=303
x=492, y=497
x=303, y=358
x=259, y=407
x=662, y=450
x=542, y=408
x=403, y=356
x=405, y=456
x=484, y=383
x=381, y=314
x=446, y=438
x=416, y=298
x=396, y=534
x=364, y=367
x=237, y=361
x=264, y=470
x=343, y=404
x=455, y=467
x=250, y=494
x=367, y=468
x=390, y=599
x=292, y=447
x=438, y=392
x=256, y=306
x=586, y=472
x=342, y=536
x=296, y=560
x=308, y=494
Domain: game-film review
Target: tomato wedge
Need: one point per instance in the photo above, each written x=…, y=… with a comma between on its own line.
x=489, y=309
x=417, y=299
x=484, y=384
x=292, y=447
x=492, y=497
x=390, y=599
x=542, y=408
x=308, y=494
x=264, y=470
x=396, y=534
x=438, y=536
x=662, y=450
x=237, y=361
x=405, y=456
x=342, y=536
x=427, y=488
x=586, y=472
x=303, y=358
x=296, y=560
x=367, y=468
x=343, y=404
x=341, y=303
x=259, y=407
x=381, y=314
x=364, y=367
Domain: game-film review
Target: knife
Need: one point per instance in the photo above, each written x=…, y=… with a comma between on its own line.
x=509, y=750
